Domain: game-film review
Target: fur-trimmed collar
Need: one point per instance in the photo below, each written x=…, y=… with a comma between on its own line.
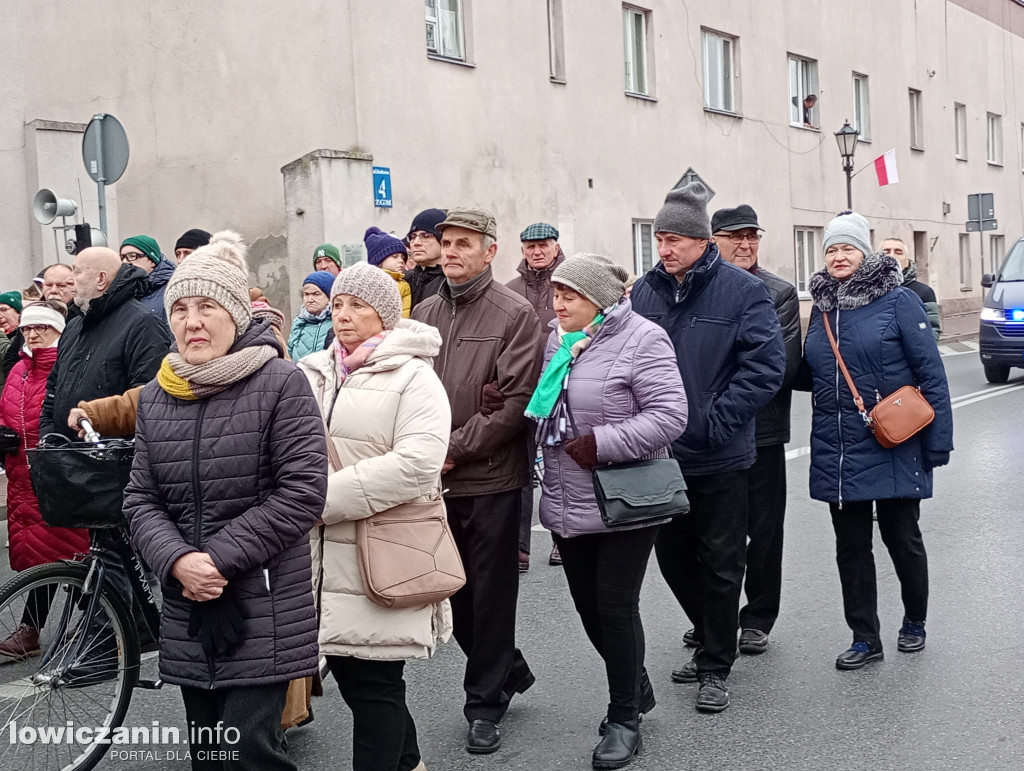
x=877, y=275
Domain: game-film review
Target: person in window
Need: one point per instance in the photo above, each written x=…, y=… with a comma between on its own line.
x=809, y=102
x=885, y=340
x=616, y=371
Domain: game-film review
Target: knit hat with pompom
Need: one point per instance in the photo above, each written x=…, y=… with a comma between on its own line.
x=218, y=271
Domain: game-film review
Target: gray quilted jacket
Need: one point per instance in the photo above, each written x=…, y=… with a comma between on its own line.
x=625, y=388
x=241, y=475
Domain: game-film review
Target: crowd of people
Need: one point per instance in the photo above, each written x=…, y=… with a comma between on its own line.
x=417, y=377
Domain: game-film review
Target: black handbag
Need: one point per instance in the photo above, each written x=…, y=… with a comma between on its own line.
x=80, y=484
x=638, y=491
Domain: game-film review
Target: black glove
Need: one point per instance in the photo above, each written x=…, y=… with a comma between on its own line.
x=934, y=459
x=491, y=399
x=9, y=442
x=583, y=451
x=218, y=623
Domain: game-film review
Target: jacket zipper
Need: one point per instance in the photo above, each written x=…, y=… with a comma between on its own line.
x=197, y=536
x=839, y=420
x=450, y=340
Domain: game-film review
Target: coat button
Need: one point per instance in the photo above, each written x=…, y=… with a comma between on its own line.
x=918, y=489
x=917, y=473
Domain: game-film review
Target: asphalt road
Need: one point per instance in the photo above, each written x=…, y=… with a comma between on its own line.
x=956, y=705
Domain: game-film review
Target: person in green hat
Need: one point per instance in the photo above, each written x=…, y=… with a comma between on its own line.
x=144, y=252
x=10, y=311
x=11, y=339
x=327, y=257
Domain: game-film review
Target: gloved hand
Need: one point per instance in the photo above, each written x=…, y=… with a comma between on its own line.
x=934, y=459
x=217, y=623
x=583, y=450
x=491, y=399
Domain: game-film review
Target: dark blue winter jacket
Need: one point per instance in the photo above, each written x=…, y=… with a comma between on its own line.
x=729, y=349
x=886, y=343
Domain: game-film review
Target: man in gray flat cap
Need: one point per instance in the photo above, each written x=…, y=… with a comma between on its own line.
x=490, y=335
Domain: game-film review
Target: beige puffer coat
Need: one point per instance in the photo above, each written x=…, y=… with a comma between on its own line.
x=390, y=424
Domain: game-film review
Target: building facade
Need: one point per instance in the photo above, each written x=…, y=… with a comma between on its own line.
x=270, y=118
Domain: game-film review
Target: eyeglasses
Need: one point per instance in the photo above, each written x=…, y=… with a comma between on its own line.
x=35, y=329
x=421, y=235
x=739, y=238
x=132, y=257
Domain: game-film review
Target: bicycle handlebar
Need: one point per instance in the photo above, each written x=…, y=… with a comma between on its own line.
x=90, y=432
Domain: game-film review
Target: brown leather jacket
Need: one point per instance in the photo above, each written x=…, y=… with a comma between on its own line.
x=535, y=286
x=489, y=334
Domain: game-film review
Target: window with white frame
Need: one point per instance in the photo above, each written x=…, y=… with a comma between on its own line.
x=444, y=28
x=805, y=250
x=916, y=120
x=994, y=140
x=996, y=252
x=719, y=71
x=960, y=129
x=1022, y=146
x=634, y=40
x=556, y=41
x=861, y=107
x=965, y=260
x=643, y=246
x=803, y=92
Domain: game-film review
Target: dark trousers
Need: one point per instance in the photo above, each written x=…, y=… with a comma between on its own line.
x=486, y=530
x=901, y=534
x=605, y=572
x=254, y=711
x=701, y=556
x=525, y=518
x=383, y=731
x=766, y=513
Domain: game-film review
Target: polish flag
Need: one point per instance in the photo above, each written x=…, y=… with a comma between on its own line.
x=885, y=168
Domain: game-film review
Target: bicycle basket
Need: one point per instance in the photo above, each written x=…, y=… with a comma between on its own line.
x=79, y=484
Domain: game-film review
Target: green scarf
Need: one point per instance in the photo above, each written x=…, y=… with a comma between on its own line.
x=552, y=381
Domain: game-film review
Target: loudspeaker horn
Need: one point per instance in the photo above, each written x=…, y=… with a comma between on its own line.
x=46, y=207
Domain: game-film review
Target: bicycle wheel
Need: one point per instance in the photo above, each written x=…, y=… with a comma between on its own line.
x=76, y=673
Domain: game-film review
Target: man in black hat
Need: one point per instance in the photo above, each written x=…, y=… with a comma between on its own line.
x=189, y=241
x=424, y=241
x=738, y=236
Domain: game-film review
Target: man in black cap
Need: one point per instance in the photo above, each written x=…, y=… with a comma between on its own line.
x=730, y=355
x=424, y=239
x=738, y=237
x=189, y=241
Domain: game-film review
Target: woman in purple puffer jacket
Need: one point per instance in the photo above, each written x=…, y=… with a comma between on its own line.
x=618, y=373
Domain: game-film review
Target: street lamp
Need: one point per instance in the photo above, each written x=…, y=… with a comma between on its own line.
x=846, y=137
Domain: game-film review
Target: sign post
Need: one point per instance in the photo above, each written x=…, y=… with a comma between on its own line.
x=105, y=152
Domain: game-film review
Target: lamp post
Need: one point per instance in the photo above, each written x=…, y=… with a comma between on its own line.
x=846, y=137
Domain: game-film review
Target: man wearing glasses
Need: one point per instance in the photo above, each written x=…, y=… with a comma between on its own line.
x=738, y=236
x=56, y=282
x=424, y=239
x=144, y=252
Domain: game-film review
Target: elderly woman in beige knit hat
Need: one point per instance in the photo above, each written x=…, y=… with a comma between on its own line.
x=229, y=479
x=388, y=417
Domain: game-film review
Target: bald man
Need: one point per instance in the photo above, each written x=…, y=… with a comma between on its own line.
x=115, y=345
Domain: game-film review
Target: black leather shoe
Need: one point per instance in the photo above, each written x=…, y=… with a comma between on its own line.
x=686, y=673
x=713, y=695
x=647, y=701
x=911, y=637
x=859, y=654
x=689, y=640
x=620, y=744
x=753, y=642
x=484, y=737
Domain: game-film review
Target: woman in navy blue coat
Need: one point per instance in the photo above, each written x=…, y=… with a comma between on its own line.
x=886, y=341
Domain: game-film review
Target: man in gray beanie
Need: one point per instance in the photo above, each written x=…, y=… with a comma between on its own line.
x=731, y=357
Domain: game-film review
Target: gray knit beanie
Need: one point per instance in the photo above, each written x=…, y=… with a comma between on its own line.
x=374, y=287
x=595, y=277
x=849, y=228
x=218, y=271
x=685, y=212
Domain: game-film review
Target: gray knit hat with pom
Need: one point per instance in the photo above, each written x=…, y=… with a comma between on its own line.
x=595, y=277
x=218, y=271
x=374, y=287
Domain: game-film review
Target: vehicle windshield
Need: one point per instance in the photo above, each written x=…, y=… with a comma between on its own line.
x=1013, y=268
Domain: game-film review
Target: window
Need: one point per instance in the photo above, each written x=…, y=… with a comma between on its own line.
x=643, y=246
x=861, y=107
x=444, y=28
x=806, y=252
x=556, y=41
x=965, y=261
x=718, y=71
x=916, y=121
x=960, y=128
x=803, y=92
x=996, y=252
x=634, y=39
x=1022, y=146
x=994, y=141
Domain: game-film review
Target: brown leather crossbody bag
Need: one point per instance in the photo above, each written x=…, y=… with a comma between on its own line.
x=896, y=417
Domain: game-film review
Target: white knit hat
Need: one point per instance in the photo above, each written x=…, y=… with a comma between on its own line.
x=218, y=271
x=374, y=287
x=39, y=315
